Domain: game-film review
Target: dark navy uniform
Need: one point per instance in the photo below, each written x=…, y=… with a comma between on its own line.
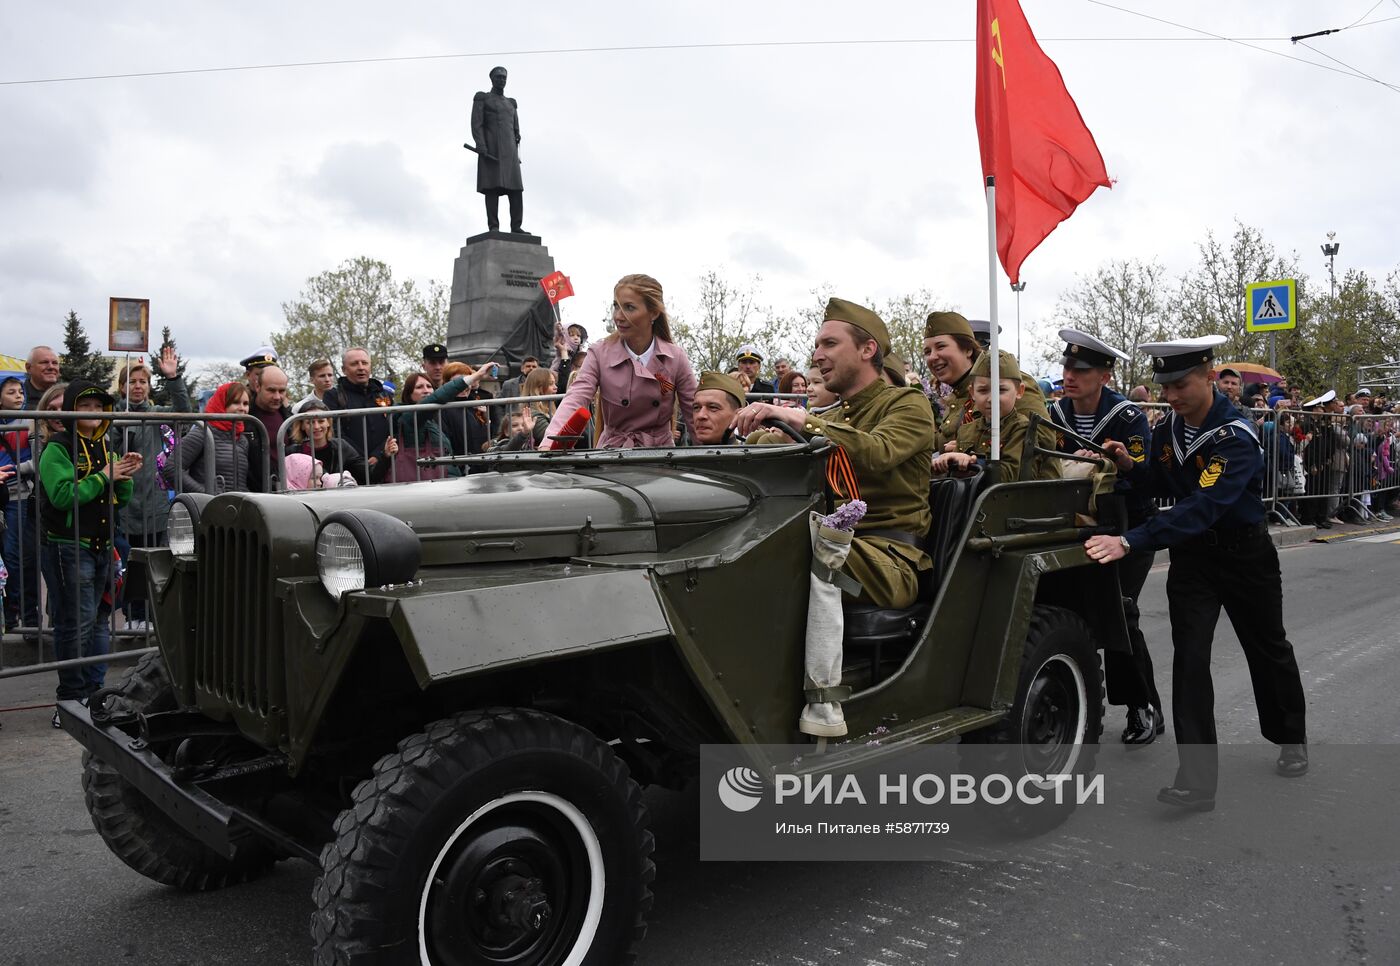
x=1129, y=675
x=1221, y=556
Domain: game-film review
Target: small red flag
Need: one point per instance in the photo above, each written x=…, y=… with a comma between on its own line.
x=1033, y=140
x=557, y=286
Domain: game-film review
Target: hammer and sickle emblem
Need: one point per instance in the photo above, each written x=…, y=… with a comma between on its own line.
x=996, y=50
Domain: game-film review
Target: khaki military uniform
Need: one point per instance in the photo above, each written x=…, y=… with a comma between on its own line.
x=887, y=434
x=960, y=411
x=976, y=438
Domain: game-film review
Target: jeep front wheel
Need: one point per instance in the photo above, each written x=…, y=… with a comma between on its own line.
x=1054, y=724
x=492, y=837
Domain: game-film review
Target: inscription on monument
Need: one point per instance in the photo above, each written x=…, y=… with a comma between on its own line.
x=518, y=279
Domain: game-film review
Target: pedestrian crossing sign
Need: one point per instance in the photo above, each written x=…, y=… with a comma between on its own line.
x=1271, y=305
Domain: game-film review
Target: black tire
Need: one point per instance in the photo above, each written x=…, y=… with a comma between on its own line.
x=487, y=815
x=138, y=832
x=1056, y=720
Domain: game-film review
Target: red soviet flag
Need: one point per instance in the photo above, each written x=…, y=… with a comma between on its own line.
x=1033, y=140
x=557, y=286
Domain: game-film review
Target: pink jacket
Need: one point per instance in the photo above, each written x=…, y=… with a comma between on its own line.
x=637, y=402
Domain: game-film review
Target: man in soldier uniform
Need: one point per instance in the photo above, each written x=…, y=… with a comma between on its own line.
x=886, y=435
x=1095, y=412
x=717, y=399
x=1211, y=462
x=496, y=131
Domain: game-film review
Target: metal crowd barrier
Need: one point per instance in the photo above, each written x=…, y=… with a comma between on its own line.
x=174, y=461
x=350, y=434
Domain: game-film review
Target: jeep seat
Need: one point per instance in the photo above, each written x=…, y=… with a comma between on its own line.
x=884, y=635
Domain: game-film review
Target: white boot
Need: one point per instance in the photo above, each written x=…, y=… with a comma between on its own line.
x=825, y=720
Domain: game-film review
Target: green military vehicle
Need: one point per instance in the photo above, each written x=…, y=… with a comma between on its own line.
x=449, y=694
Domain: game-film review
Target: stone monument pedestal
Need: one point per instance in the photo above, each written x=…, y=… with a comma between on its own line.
x=495, y=285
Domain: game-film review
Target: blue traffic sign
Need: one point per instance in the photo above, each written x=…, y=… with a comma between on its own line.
x=1271, y=305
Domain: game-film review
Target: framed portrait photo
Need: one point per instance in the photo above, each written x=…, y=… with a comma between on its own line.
x=129, y=325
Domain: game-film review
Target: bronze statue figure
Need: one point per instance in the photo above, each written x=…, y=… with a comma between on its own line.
x=496, y=131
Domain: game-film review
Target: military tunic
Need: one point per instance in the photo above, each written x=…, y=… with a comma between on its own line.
x=887, y=434
x=959, y=410
x=976, y=438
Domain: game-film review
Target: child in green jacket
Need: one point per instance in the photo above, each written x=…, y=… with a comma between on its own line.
x=80, y=487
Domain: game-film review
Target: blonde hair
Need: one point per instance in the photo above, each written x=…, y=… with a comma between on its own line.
x=301, y=429
x=650, y=291
x=537, y=384
x=126, y=372
x=46, y=426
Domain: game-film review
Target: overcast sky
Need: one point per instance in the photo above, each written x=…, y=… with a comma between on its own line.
x=216, y=195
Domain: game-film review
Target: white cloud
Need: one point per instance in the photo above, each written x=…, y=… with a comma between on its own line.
x=216, y=195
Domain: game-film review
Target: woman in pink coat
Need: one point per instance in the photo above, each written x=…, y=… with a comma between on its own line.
x=638, y=372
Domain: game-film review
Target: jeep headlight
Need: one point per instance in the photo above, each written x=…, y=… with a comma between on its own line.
x=356, y=549
x=183, y=521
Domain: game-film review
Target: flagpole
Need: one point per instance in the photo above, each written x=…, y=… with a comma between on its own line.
x=992, y=314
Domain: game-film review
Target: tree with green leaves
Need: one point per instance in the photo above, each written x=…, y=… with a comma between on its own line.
x=1211, y=297
x=728, y=317
x=360, y=304
x=79, y=361
x=1359, y=326
x=1124, y=303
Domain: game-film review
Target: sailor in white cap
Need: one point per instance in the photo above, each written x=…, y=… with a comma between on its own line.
x=1092, y=411
x=1327, y=446
x=749, y=359
x=1210, y=461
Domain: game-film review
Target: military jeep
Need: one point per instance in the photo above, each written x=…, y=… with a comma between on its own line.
x=449, y=694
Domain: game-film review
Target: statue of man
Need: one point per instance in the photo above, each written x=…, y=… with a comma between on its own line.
x=496, y=131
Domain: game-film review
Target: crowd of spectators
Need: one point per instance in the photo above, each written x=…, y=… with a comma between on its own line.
x=1329, y=459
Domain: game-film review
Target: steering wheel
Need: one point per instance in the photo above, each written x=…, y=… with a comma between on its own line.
x=773, y=422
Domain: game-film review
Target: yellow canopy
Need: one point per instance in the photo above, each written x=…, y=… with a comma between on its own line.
x=11, y=365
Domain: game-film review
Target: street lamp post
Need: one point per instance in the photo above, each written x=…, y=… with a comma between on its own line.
x=1018, y=288
x=1330, y=249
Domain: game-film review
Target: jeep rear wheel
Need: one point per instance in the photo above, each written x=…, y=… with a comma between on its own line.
x=135, y=829
x=1056, y=720
x=492, y=837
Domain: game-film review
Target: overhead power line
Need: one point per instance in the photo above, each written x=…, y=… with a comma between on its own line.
x=78, y=78
x=1347, y=72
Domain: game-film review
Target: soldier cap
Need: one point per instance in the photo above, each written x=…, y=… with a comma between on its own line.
x=1009, y=368
x=894, y=365
x=947, y=323
x=435, y=352
x=724, y=383
x=858, y=315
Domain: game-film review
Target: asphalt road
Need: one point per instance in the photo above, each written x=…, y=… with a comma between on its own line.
x=63, y=897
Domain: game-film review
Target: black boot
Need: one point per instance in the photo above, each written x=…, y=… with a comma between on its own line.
x=1292, y=761
x=1191, y=799
x=1144, y=725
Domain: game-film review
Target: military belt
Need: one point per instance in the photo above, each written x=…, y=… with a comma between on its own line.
x=901, y=536
x=1227, y=536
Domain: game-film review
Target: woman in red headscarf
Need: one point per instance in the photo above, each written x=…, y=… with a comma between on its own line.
x=214, y=456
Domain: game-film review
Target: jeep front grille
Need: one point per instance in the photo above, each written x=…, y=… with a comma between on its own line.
x=238, y=640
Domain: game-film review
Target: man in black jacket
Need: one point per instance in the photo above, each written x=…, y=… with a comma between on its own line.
x=357, y=389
